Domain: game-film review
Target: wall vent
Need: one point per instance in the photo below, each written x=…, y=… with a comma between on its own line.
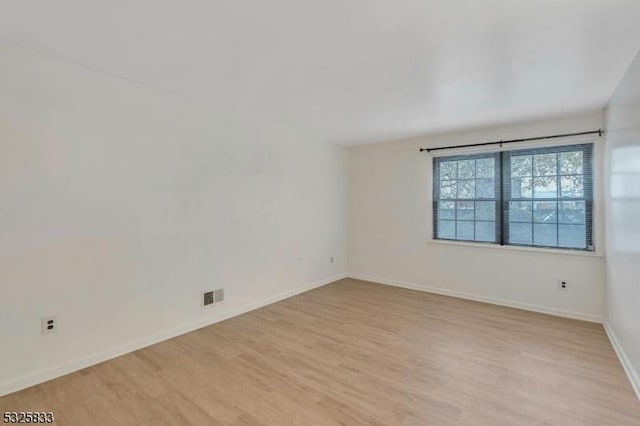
x=212, y=297
x=207, y=298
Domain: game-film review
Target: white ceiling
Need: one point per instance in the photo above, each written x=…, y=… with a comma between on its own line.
x=350, y=71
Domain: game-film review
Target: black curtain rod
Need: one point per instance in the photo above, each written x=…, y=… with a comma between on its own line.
x=599, y=132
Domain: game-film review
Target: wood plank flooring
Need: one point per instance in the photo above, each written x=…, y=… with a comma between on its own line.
x=356, y=353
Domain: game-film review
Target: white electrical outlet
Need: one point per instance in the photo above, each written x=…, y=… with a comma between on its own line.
x=563, y=285
x=49, y=325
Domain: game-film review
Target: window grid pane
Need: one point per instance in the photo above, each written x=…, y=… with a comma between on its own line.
x=560, y=183
x=465, y=198
x=546, y=194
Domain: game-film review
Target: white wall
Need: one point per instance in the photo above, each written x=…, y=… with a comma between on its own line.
x=119, y=203
x=622, y=200
x=390, y=226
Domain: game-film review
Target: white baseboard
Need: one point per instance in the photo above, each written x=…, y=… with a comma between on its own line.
x=632, y=374
x=78, y=364
x=475, y=297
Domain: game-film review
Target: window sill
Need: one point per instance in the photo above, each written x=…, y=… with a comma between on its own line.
x=538, y=250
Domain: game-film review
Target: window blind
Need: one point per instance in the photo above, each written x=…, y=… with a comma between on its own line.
x=539, y=197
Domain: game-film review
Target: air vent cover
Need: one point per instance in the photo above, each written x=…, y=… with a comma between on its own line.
x=207, y=298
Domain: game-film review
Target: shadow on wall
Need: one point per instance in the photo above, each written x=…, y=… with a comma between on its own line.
x=625, y=199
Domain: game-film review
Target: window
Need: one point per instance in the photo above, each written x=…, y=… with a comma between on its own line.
x=467, y=197
x=539, y=197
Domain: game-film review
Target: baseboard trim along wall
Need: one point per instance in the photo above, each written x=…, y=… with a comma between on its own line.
x=78, y=364
x=632, y=374
x=477, y=298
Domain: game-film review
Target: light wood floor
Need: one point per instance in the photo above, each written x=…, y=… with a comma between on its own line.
x=356, y=353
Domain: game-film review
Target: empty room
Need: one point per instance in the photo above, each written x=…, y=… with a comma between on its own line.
x=423, y=212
